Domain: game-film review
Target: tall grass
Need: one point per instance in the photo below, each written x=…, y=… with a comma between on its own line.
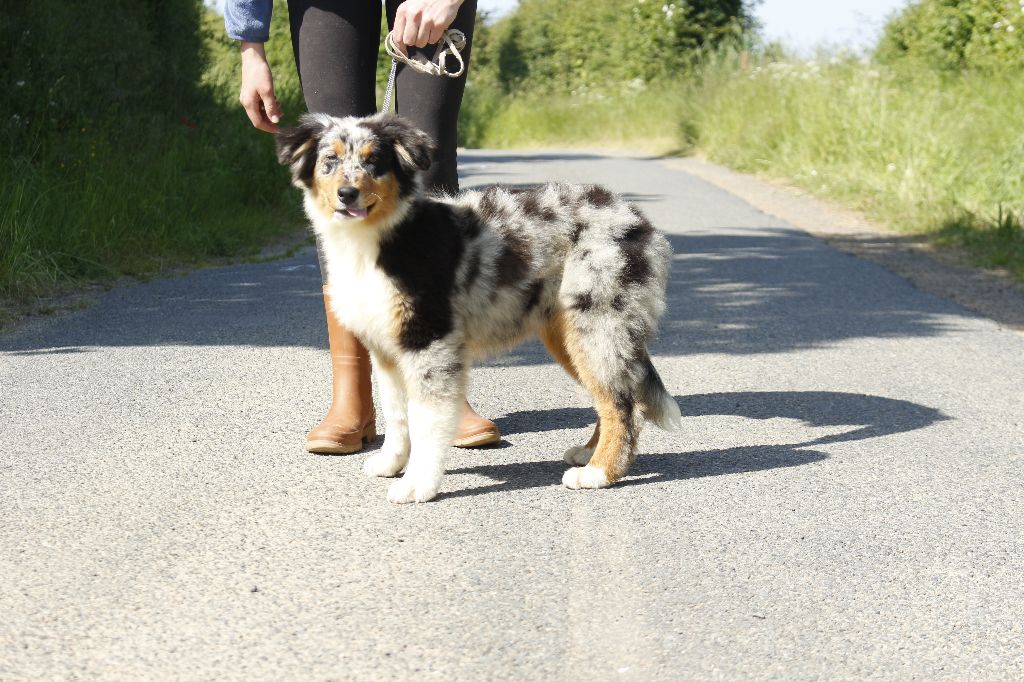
x=127, y=156
x=640, y=118
x=921, y=151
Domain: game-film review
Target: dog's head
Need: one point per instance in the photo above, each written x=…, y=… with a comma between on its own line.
x=355, y=169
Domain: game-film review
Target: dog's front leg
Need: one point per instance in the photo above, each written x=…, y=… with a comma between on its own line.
x=435, y=387
x=394, y=454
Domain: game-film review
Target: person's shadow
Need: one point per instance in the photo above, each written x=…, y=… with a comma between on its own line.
x=867, y=416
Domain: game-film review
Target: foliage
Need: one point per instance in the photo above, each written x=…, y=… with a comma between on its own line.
x=957, y=34
x=124, y=152
x=922, y=151
x=577, y=45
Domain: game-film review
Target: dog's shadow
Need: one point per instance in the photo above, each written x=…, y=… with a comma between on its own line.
x=867, y=416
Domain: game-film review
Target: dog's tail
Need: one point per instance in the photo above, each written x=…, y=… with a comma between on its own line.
x=660, y=408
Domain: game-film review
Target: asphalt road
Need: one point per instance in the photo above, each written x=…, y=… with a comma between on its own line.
x=846, y=499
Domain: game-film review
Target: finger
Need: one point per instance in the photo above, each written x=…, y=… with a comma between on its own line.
x=412, y=31
x=423, y=35
x=398, y=30
x=271, y=108
x=435, y=35
x=254, y=110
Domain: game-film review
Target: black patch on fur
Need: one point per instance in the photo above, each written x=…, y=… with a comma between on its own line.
x=634, y=243
x=290, y=141
x=472, y=227
x=635, y=269
x=449, y=370
x=489, y=209
x=530, y=204
x=393, y=134
x=639, y=231
x=624, y=404
x=578, y=226
x=532, y=208
x=421, y=255
x=533, y=293
x=513, y=262
x=599, y=196
x=582, y=302
x=619, y=303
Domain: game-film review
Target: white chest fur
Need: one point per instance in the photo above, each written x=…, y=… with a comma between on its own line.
x=363, y=299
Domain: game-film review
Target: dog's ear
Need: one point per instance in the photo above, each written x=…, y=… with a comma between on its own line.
x=297, y=148
x=413, y=148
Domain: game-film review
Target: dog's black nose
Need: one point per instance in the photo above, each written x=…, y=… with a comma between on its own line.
x=348, y=194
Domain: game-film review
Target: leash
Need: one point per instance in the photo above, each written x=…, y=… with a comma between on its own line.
x=452, y=41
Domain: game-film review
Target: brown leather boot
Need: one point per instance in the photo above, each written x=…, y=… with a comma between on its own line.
x=474, y=430
x=350, y=420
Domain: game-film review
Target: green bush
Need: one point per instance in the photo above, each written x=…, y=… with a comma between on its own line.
x=957, y=34
x=126, y=148
x=581, y=45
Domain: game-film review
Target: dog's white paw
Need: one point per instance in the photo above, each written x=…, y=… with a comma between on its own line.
x=413, y=489
x=578, y=456
x=385, y=463
x=585, y=477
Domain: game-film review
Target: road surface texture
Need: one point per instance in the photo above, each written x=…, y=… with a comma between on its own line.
x=846, y=499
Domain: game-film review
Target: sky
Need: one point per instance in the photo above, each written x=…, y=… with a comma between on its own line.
x=802, y=24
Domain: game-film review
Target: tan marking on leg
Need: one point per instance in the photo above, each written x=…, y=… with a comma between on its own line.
x=553, y=336
x=592, y=443
x=613, y=446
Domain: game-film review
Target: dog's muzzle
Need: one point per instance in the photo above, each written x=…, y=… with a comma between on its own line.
x=349, y=197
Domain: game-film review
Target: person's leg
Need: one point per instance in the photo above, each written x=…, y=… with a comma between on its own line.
x=335, y=45
x=432, y=103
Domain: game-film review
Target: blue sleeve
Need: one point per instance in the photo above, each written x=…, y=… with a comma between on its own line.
x=248, y=19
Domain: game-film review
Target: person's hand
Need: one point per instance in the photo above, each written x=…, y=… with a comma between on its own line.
x=257, y=95
x=423, y=22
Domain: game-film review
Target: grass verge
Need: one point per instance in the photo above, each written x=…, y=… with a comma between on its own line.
x=924, y=153
x=133, y=166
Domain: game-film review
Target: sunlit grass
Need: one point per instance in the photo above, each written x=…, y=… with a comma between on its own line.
x=924, y=153
x=921, y=152
x=636, y=118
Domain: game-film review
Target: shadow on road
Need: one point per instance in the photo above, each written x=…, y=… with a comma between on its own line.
x=742, y=292
x=867, y=416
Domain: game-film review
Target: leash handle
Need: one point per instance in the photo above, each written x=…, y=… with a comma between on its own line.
x=453, y=40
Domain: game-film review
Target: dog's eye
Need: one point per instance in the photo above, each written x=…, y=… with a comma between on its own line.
x=373, y=164
x=328, y=164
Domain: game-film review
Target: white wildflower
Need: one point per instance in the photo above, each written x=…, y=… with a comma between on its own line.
x=891, y=167
x=1009, y=28
x=814, y=173
x=20, y=84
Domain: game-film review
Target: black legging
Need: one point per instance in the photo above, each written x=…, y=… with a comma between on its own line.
x=336, y=43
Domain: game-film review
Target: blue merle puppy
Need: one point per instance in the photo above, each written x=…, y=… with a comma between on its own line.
x=431, y=283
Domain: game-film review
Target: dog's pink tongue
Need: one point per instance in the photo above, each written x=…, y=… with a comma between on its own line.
x=356, y=212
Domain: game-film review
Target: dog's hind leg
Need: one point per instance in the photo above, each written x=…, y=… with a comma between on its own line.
x=605, y=375
x=394, y=454
x=553, y=337
x=435, y=386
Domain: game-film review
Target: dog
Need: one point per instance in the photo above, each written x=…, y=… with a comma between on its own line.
x=429, y=283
